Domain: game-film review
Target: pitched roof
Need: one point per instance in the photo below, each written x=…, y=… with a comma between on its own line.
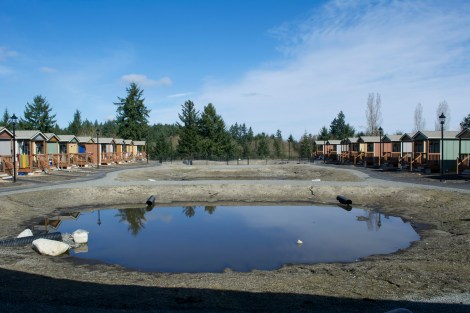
x=369, y=139
x=128, y=141
x=67, y=138
x=334, y=142
x=448, y=134
x=86, y=139
x=390, y=138
x=119, y=141
x=3, y=129
x=50, y=135
x=106, y=141
x=139, y=143
x=465, y=133
x=35, y=135
x=406, y=137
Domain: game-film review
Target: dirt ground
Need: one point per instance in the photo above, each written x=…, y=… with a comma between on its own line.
x=433, y=275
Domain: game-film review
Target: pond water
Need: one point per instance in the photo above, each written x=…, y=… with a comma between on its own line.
x=242, y=238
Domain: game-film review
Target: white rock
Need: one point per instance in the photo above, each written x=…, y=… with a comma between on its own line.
x=25, y=233
x=50, y=247
x=80, y=236
x=299, y=242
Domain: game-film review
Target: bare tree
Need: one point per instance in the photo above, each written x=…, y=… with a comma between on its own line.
x=443, y=107
x=373, y=114
x=420, y=122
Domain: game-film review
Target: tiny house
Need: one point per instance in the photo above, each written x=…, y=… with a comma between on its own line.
x=463, y=160
x=31, y=148
x=107, y=150
x=427, y=149
x=6, y=151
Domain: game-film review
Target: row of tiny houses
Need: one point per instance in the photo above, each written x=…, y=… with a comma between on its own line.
x=421, y=149
x=38, y=151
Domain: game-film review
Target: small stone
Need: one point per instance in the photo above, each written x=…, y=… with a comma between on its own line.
x=299, y=242
x=25, y=233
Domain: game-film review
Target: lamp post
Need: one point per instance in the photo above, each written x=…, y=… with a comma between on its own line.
x=13, y=121
x=380, y=144
x=98, y=148
x=442, y=120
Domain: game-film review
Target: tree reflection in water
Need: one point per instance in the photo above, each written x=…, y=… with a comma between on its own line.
x=210, y=209
x=134, y=217
x=189, y=211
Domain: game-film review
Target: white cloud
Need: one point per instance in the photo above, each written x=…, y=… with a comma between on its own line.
x=145, y=81
x=6, y=53
x=48, y=70
x=180, y=95
x=407, y=52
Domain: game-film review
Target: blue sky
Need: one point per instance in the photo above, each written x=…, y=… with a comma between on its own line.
x=288, y=65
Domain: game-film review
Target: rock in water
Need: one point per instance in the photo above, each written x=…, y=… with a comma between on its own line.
x=80, y=236
x=50, y=247
x=25, y=233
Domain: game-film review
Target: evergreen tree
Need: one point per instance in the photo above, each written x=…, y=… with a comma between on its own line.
x=339, y=129
x=212, y=131
x=37, y=116
x=188, y=130
x=110, y=129
x=465, y=122
x=75, y=127
x=324, y=134
x=290, y=142
x=5, y=119
x=306, y=146
x=132, y=115
x=263, y=146
x=277, y=144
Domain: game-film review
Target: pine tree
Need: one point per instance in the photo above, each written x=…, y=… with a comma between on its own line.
x=188, y=130
x=339, y=129
x=277, y=144
x=132, y=115
x=75, y=127
x=213, y=134
x=465, y=122
x=263, y=146
x=306, y=146
x=37, y=116
x=5, y=119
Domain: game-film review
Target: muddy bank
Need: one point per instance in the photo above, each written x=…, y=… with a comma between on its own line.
x=437, y=265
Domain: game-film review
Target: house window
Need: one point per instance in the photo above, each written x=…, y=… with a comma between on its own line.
x=39, y=148
x=63, y=148
x=434, y=147
x=419, y=147
x=370, y=147
x=23, y=147
x=396, y=147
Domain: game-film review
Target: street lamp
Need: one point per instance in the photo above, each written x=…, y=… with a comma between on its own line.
x=98, y=148
x=380, y=144
x=442, y=120
x=13, y=121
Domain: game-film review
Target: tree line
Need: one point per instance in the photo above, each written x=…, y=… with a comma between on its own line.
x=203, y=135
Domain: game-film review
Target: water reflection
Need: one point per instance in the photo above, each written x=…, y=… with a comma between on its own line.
x=134, y=217
x=189, y=211
x=196, y=239
x=373, y=219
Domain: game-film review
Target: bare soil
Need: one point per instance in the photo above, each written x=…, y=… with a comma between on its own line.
x=433, y=275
